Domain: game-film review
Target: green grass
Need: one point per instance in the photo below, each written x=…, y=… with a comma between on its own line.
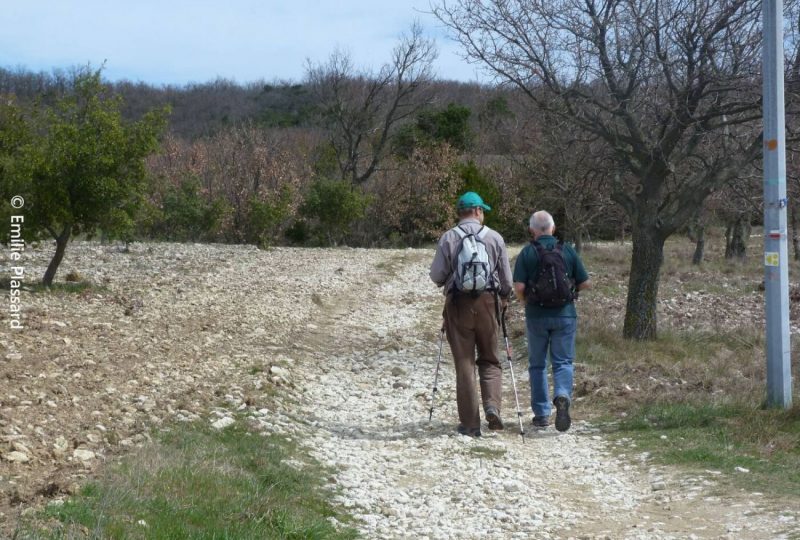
x=66, y=287
x=255, y=369
x=701, y=389
x=56, y=288
x=722, y=437
x=195, y=482
x=485, y=452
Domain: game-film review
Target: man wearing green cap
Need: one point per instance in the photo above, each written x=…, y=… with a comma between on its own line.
x=471, y=264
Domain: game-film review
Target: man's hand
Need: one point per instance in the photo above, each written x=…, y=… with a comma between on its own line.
x=504, y=300
x=519, y=290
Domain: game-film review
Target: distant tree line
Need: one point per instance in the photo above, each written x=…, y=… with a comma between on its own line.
x=624, y=119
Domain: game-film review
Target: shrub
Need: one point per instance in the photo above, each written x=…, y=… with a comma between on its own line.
x=332, y=206
x=417, y=203
x=184, y=214
x=435, y=127
x=264, y=218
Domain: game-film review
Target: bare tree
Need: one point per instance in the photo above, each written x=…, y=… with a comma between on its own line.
x=792, y=62
x=575, y=171
x=655, y=80
x=361, y=109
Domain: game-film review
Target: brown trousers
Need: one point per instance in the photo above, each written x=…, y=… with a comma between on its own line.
x=471, y=323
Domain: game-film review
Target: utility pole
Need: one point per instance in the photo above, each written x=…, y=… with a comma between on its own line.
x=776, y=253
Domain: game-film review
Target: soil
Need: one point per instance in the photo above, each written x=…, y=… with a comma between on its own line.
x=335, y=347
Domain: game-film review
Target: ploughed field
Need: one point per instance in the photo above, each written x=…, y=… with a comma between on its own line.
x=335, y=349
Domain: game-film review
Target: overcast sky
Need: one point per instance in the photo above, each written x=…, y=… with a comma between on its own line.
x=181, y=41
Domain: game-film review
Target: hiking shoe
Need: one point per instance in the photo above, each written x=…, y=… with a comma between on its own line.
x=470, y=432
x=563, y=421
x=493, y=417
x=540, y=422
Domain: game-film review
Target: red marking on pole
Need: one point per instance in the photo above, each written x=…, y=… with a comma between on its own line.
x=772, y=144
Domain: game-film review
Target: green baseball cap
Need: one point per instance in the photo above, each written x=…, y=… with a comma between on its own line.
x=470, y=199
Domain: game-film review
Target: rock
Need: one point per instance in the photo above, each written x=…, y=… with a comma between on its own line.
x=281, y=372
x=401, y=385
x=17, y=457
x=658, y=485
x=223, y=422
x=399, y=372
x=511, y=486
x=60, y=446
x=19, y=447
x=742, y=470
x=83, y=454
x=146, y=405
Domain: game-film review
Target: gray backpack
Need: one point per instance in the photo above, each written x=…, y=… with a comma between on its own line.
x=473, y=272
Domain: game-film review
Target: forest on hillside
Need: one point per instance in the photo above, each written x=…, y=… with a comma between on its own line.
x=231, y=149
x=644, y=127
x=247, y=162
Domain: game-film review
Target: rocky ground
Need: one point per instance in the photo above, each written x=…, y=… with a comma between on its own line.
x=335, y=349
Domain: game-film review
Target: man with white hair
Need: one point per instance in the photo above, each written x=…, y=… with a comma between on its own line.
x=547, y=276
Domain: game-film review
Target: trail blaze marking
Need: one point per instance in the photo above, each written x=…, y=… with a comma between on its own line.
x=772, y=144
x=772, y=258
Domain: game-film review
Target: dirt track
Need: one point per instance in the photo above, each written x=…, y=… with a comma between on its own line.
x=336, y=348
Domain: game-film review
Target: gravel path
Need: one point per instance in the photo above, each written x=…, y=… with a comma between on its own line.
x=367, y=400
x=335, y=349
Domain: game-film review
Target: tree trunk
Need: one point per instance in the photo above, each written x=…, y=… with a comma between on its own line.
x=700, y=244
x=795, y=238
x=61, y=247
x=640, y=311
x=579, y=241
x=736, y=235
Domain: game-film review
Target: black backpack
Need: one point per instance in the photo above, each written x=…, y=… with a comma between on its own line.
x=551, y=287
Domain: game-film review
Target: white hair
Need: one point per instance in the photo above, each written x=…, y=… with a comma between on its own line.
x=541, y=221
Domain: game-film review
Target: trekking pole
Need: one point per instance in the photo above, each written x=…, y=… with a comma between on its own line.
x=513, y=379
x=436, y=376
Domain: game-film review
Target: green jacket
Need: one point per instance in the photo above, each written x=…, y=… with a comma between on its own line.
x=527, y=266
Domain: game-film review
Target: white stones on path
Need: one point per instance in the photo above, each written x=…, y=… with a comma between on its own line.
x=366, y=393
x=403, y=477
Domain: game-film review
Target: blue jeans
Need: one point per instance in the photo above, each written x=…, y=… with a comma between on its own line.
x=557, y=334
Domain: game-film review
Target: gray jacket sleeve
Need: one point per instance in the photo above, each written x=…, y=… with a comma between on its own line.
x=506, y=284
x=440, y=267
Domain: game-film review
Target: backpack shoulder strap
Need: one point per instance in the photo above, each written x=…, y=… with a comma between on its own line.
x=483, y=232
x=460, y=232
x=538, y=247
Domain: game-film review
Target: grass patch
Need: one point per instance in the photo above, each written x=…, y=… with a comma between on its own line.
x=702, y=391
x=196, y=482
x=56, y=288
x=722, y=437
x=701, y=384
x=255, y=369
x=485, y=452
x=66, y=287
